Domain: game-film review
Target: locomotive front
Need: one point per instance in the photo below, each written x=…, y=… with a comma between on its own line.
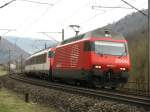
x=110, y=60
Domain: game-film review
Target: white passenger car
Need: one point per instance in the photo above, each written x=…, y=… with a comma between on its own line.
x=38, y=63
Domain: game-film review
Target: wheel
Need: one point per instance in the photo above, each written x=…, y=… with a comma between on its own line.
x=113, y=88
x=121, y=85
x=102, y=87
x=94, y=82
x=77, y=83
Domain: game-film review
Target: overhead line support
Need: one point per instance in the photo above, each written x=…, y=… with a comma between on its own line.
x=134, y=7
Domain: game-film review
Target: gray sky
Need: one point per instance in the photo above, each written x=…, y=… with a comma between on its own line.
x=28, y=18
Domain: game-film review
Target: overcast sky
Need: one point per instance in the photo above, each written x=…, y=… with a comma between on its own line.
x=28, y=18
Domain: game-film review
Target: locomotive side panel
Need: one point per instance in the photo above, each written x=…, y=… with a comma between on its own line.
x=69, y=61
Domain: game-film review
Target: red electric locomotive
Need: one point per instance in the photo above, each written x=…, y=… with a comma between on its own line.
x=99, y=57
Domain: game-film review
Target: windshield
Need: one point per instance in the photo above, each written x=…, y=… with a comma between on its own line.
x=110, y=48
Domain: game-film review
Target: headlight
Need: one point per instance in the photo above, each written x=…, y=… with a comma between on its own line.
x=123, y=69
x=97, y=66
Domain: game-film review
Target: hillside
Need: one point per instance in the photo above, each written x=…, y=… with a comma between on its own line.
x=31, y=45
x=15, y=51
x=135, y=22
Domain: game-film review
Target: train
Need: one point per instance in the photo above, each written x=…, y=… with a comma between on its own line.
x=99, y=57
x=40, y=63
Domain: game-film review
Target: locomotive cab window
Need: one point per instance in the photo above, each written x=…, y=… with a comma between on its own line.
x=110, y=48
x=88, y=46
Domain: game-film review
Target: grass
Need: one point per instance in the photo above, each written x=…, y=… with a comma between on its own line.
x=2, y=71
x=9, y=102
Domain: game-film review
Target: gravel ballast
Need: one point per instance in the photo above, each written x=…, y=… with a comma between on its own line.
x=65, y=102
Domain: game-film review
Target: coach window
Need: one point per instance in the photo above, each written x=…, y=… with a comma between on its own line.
x=31, y=61
x=34, y=60
x=41, y=59
x=38, y=59
x=44, y=57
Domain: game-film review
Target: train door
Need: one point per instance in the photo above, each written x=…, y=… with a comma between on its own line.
x=51, y=55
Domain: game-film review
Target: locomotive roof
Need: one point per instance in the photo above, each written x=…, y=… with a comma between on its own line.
x=99, y=33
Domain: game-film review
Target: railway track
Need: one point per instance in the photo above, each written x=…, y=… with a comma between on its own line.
x=102, y=94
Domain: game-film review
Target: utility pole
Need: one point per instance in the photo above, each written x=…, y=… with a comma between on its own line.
x=45, y=45
x=148, y=87
x=21, y=63
x=62, y=34
x=9, y=61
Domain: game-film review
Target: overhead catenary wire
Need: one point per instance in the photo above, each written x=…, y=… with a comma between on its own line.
x=86, y=21
x=134, y=7
x=45, y=33
x=42, y=15
x=37, y=2
x=110, y=7
x=7, y=31
x=7, y=4
x=33, y=22
x=25, y=1
x=75, y=12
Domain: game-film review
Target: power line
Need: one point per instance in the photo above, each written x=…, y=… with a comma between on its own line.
x=36, y=20
x=86, y=21
x=25, y=1
x=37, y=2
x=49, y=32
x=134, y=8
x=7, y=31
x=7, y=4
x=47, y=9
x=110, y=7
x=75, y=12
x=45, y=33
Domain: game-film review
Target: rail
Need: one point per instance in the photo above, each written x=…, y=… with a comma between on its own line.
x=102, y=94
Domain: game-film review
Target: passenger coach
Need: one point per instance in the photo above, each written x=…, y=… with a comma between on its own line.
x=40, y=63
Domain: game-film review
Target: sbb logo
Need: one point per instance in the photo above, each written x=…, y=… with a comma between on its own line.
x=121, y=61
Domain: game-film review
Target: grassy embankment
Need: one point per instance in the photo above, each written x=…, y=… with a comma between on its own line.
x=3, y=71
x=9, y=102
